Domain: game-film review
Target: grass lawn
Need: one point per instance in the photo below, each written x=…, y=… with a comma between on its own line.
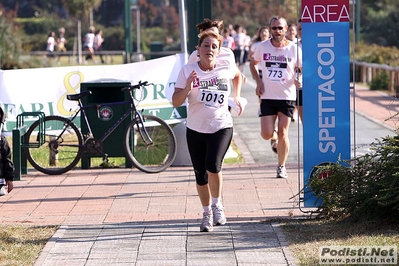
x=305, y=237
x=21, y=245
x=73, y=61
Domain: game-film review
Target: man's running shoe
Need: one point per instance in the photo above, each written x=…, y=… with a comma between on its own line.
x=281, y=172
x=206, y=225
x=218, y=215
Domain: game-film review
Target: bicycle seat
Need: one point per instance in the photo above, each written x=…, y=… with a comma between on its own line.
x=77, y=96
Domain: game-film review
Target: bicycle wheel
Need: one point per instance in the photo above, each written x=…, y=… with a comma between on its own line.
x=152, y=157
x=61, y=149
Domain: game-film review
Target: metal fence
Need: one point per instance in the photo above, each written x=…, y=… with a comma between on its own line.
x=366, y=72
x=109, y=54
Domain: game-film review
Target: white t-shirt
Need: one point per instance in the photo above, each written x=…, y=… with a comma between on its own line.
x=253, y=48
x=278, y=65
x=97, y=41
x=208, y=100
x=89, y=39
x=50, y=44
x=247, y=42
x=228, y=42
x=239, y=39
x=255, y=45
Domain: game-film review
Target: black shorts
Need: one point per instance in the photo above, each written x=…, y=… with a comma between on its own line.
x=299, y=98
x=272, y=107
x=50, y=54
x=239, y=56
x=207, y=151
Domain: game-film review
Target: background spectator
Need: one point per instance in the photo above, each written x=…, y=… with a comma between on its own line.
x=50, y=44
x=89, y=44
x=6, y=165
x=228, y=41
x=61, y=41
x=98, y=41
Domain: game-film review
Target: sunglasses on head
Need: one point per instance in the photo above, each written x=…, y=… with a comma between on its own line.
x=279, y=28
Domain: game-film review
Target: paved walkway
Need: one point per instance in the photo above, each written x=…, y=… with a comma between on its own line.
x=376, y=106
x=126, y=217
x=117, y=216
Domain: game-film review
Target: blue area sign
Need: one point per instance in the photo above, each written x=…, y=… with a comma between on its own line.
x=326, y=86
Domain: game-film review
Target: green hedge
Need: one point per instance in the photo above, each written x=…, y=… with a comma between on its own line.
x=373, y=53
x=365, y=188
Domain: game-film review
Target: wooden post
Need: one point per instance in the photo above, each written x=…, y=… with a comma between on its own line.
x=363, y=71
x=369, y=75
x=396, y=83
x=391, y=81
x=53, y=155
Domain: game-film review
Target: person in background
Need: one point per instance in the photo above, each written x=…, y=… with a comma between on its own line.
x=6, y=165
x=292, y=33
x=209, y=122
x=50, y=44
x=279, y=60
x=228, y=41
x=239, y=39
x=98, y=42
x=292, y=36
x=89, y=43
x=247, y=45
x=299, y=75
x=231, y=30
x=61, y=41
x=263, y=35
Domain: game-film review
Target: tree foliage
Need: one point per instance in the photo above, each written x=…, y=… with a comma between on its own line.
x=379, y=22
x=255, y=13
x=81, y=8
x=10, y=43
x=33, y=8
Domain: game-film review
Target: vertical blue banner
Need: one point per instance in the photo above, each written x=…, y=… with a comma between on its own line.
x=326, y=86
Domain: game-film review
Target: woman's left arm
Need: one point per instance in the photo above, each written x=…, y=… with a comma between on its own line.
x=237, y=84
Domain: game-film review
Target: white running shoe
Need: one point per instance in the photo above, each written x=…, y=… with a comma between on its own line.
x=206, y=224
x=282, y=172
x=3, y=190
x=218, y=215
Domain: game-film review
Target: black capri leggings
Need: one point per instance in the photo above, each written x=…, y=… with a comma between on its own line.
x=207, y=151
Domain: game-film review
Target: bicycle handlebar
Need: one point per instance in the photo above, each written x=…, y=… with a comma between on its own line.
x=136, y=86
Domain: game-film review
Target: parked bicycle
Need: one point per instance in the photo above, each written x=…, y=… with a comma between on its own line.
x=149, y=142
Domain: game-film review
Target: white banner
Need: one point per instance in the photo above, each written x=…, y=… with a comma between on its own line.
x=45, y=89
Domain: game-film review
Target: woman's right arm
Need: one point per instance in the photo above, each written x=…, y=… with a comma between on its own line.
x=180, y=94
